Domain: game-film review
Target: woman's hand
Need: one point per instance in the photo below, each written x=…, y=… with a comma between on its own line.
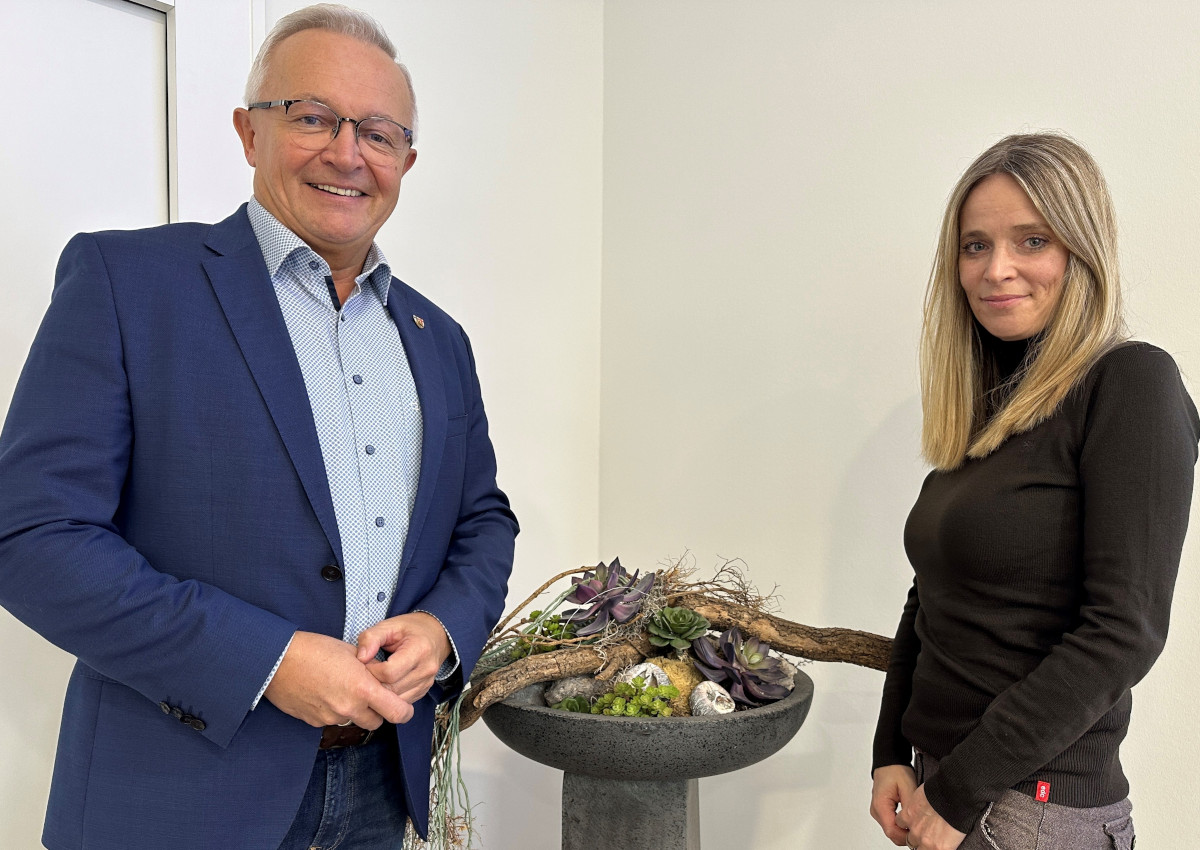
x=926, y=828
x=893, y=787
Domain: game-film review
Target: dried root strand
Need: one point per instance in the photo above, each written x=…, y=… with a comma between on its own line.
x=730, y=584
x=499, y=630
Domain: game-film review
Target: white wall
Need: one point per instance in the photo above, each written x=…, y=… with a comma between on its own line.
x=774, y=176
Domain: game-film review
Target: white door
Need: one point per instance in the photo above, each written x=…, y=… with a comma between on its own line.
x=84, y=147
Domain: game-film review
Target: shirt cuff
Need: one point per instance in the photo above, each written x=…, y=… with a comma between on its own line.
x=450, y=665
x=274, y=670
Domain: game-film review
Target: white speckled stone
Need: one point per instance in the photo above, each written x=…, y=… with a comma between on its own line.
x=710, y=698
x=576, y=686
x=791, y=670
x=654, y=676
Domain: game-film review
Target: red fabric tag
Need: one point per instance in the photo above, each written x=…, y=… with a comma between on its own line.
x=1043, y=792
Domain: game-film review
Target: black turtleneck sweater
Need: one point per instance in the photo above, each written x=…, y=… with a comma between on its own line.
x=1044, y=575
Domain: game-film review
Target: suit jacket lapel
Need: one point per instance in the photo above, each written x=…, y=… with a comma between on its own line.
x=239, y=278
x=420, y=344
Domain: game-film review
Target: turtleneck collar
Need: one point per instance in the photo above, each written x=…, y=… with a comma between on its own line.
x=1009, y=354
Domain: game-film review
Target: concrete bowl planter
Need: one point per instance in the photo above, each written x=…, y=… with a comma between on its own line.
x=635, y=779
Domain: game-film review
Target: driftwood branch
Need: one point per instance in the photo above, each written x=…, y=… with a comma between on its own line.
x=818, y=644
x=549, y=667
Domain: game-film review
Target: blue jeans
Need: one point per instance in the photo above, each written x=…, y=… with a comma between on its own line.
x=354, y=799
x=1018, y=822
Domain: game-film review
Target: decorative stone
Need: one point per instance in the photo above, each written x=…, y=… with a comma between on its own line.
x=652, y=674
x=576, y=686
x=791, y=670
x=529, y=695
x=685, y=677
x=710, y=698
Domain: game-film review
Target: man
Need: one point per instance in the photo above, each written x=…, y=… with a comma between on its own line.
x=246, y=478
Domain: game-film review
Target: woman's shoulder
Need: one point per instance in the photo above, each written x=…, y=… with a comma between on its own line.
x=1142, y=382
x=1138, y=362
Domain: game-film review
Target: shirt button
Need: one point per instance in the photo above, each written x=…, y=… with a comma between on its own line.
x=380, y=596
x=312, y=264
x=369, y=450
x=379, y=522
x=357, y=379
x=331, y=573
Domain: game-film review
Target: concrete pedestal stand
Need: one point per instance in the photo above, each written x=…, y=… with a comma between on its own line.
x=632, y=782
x=631, y=814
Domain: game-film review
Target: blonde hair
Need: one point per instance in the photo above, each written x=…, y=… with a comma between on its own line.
x=332, y=17
x=959, y=377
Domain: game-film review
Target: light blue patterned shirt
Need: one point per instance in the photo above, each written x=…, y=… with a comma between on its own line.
x=365, y=407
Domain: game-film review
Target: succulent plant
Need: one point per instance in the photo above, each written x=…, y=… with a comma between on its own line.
x=676, y=627
x=579, y=705
x=636, y=699
x=543, y=635
x=610, y=594
x=743, y=665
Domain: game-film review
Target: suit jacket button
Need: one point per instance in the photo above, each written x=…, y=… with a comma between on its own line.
x=166, y=709
x=177, y=713
x=331, y=573
x=197, y=724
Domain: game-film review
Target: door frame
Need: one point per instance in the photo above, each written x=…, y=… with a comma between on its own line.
x=210, y=46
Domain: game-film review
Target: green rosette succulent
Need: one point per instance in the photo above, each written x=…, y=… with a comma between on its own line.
x=676, y=628
x=579, y=705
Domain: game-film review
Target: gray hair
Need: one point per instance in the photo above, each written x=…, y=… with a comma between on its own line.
x=333, y=17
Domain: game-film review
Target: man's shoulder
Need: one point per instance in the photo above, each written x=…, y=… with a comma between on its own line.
x=175, y=237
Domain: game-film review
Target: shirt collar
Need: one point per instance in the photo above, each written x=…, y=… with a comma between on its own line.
x=278, y=245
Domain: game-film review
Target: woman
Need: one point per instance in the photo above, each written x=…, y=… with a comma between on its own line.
x=1047, y=538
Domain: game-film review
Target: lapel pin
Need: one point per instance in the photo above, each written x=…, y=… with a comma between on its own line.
x=419, y=322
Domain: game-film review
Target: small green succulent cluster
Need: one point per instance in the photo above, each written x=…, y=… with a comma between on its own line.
x=625, y=700
x=542, y=636
x=676, y=628
x=636, y=700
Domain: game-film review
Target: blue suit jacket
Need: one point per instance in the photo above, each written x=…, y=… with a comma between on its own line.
x=165, y=517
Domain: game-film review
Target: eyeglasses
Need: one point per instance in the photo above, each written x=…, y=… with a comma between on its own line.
x=313, y=125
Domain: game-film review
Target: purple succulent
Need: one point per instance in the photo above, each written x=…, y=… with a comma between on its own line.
x=745, y=666
x=609, y=594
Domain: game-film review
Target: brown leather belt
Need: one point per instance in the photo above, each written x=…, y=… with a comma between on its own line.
x=336, y=737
